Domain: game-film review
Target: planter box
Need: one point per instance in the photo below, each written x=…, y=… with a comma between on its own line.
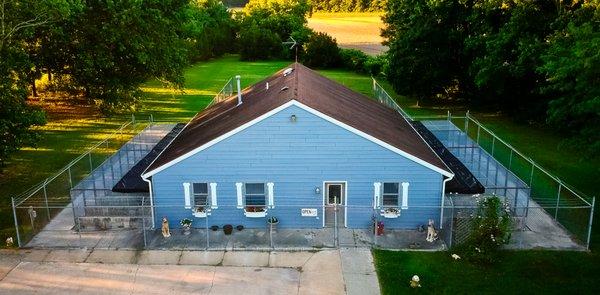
x=201, y=214
x=255, y=214
x=390, y=214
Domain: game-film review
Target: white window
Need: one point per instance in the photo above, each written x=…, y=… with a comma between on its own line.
x=200, y=193
x=391, y=194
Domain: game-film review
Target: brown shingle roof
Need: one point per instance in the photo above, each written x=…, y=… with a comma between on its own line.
x=313, y=90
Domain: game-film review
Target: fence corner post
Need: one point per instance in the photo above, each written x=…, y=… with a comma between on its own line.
x=589, y=236
x=12, y=199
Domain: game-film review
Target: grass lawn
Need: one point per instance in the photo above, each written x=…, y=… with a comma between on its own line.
x=519, y=272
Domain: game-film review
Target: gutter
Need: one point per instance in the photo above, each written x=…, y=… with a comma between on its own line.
x=151, y=201
x=443, y=200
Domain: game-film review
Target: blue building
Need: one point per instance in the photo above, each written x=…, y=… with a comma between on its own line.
x=297, y=146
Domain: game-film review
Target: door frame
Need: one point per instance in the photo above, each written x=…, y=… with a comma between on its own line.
x=344, y=183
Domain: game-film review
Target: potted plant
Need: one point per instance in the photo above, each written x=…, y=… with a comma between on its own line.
x=272, y=222
x=239, y=227
x=255, y=211
x=391, y=212
x=200, y=211
x=186, y=224
x=227, y=229
x=214, y=228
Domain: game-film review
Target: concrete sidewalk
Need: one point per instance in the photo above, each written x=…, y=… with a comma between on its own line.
x=178, y=272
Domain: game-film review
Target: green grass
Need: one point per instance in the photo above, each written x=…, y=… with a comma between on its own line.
x=518, y=272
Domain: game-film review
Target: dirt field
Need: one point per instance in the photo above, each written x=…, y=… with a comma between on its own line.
x=352, y=30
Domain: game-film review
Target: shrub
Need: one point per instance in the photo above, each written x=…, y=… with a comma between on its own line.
x=258, y=43
x=490, y=229
x=354, y=59
x=321, y=51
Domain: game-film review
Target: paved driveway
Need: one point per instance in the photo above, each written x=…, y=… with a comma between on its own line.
x=186, y=272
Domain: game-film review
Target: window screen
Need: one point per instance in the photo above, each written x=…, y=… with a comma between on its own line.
x=200, y=191
x=391, y=192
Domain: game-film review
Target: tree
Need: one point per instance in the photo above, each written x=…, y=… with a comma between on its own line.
x=572, y=67
x=17, y=21
x=113, y=46
x=426, y=46
x=258, y=43
x=321, y=51
x=209, y=29
x=284, y=19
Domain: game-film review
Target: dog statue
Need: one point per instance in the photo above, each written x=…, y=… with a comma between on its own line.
x=165, y=228
x=9, y=242
x=431, y=232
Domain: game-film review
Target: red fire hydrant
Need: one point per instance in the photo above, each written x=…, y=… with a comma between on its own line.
x=380, y=228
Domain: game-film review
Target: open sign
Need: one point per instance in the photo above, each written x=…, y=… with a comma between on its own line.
x=308, y=212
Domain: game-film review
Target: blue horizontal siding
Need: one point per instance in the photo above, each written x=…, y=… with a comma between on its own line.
x=297, y=158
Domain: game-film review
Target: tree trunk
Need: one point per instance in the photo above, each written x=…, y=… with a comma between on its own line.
x=33, y=88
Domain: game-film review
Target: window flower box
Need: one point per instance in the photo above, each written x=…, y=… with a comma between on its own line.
x=255, y=212
x=200, y=212
x=390, y=213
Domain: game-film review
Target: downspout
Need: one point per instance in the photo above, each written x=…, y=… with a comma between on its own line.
x=151, y=201
x=444, y=200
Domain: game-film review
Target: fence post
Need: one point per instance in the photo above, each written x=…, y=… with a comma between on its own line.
x=478, y=131
x=493, y=144
x=46, y=199
x=449, y=116
x=70, y=178
x=90, y=160
x=207, y=233
x=16, y=221
x=510, y=159
x=590, y=223
x=531, y=176
x=467, y=123
x=557, y=201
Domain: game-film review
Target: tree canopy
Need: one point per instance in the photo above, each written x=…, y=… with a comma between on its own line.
x=533, y=59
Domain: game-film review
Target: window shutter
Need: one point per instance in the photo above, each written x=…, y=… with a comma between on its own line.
x=213, y=195
x=405, y=195
x=376, y=194
x=186, y=194
x=238, y=186
x=270, y=194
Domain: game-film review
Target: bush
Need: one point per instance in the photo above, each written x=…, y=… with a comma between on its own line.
x=321, y=51
x=490, y=229
x=258, y=43
x=360, y=62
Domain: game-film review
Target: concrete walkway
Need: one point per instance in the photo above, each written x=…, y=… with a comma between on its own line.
x=184, y=272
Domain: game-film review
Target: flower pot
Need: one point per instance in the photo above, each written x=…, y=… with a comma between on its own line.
x=227, y=229
x=239, y=227
x=214, y=228
x=186, y=229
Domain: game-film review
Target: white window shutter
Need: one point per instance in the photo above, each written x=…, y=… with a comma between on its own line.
x=376, y=194
x=213, y=195
x=238, y=186
x=186, y=194
x=270, y=194
x=405, y=195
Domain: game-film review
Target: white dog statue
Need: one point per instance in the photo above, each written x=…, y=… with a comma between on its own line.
x=165, y=228
x=9, y=242
x=431, y=232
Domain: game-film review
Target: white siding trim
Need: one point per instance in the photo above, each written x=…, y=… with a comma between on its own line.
x=213, y=195
x=270, y=194
x=240, y=201
x=376, y=194
x=186, y=195
x=312, y=111
x=405, y=195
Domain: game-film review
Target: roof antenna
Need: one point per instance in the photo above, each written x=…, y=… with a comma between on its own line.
x=294, y=45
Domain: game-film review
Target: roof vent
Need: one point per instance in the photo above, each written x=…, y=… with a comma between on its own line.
x=287, y=71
